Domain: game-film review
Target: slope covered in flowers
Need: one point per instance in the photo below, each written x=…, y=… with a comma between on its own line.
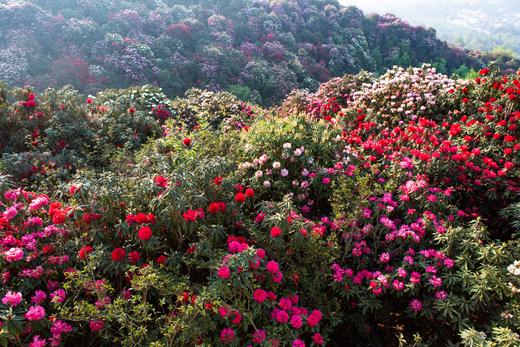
x=258, y=50
x=377, y=211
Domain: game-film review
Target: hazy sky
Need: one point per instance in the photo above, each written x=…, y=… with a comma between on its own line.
x=481, y=24
x=409, y=10
x=406, y=9
x=373, y=5
x=426, y=11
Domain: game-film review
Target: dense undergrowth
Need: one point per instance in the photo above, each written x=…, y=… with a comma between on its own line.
x=377, y=211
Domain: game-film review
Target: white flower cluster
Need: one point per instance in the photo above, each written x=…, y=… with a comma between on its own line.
x=267, y=170
x=411, y=92
x=514, y=268
x=13, y=65
x=96, y=70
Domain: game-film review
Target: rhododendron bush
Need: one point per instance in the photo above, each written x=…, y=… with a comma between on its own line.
x=377, y=211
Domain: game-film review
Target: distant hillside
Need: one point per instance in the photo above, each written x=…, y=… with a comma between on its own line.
x=259, y=50
x=482, y=24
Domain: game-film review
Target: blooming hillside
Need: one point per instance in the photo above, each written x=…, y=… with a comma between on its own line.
x=258, y=50
x=375, y=212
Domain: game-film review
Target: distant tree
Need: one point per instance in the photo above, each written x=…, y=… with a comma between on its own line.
x=462, y=71
x=441, y=65
x=244, y=93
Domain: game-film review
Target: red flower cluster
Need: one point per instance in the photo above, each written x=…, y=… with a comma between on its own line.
x=118, y=254
x=160, y=181
x=140, y=218
x=30, y=102
x=241, y=195
x=84, y=252
x=217, y=180
x=192, y=215
x=217, y=207
x=58, y=213
x=144, y=233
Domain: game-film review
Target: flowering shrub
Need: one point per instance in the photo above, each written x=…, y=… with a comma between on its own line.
x=297, y=158
x=377, y=211
x=34, y=258
x=218, y=110
x=45, y=133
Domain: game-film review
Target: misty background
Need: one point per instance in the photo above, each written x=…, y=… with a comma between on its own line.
x=475, y=24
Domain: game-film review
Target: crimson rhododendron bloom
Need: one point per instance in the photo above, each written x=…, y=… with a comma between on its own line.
x=240, y=197
x=224, y=272
x=162, y=259
x=144, y=233
x=260, y=217
x=227, y=335
x=118, y=254
x=272, y=267
x=84, y=251
x=259, y=295
x=134, y=257
x=141, y=218
x=314, y=318
x=73, y=188
x=318, y=339
x=280, y=316
x=30, y=103
x=160, y=181
x=47, y=249
x=276, y=232
x=189, y=215
x=216, y=207
x=89, y=217
x=193, y=215
x=296, y=321
x=259, y=336
x=237, y=317
x=59, y=217
x=96, y=325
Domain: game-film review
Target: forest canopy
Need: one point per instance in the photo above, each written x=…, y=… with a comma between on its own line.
x=258, y=50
